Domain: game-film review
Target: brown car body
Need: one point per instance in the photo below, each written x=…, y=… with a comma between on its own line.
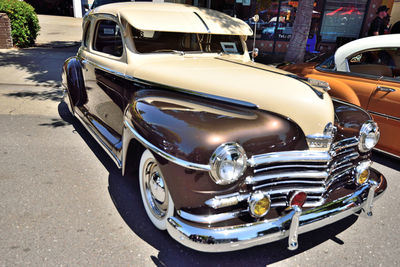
x=165, y=116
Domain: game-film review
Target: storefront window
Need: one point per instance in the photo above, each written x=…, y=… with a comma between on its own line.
x=342, y=19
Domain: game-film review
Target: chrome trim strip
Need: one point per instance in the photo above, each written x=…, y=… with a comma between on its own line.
x=194, y=93
x=291, y=166
x=309, y=190
x=289, y=156
x=303, y=182
x=209, y=219
x=384, y=115
x=119, y=74
x=287, y=175
x=180, y=162
x=344, y=144
x=100, y=141
x=242, y=236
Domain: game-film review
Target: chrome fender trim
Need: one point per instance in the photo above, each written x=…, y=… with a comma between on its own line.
x=158, y=151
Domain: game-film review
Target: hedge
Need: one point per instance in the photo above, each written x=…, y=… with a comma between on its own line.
x=24, y=21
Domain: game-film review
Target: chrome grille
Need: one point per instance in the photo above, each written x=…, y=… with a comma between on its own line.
x=313, y=172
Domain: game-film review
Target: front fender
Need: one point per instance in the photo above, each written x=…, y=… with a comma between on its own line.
x=348, y=118
x=72, y=80
x=190, y=128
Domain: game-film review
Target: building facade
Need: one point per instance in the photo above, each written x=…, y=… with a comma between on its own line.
x=334, y=22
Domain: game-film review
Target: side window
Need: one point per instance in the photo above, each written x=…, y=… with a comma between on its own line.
x=108, y=38
x=86, y=35
x=378, y=62
x=327, y=64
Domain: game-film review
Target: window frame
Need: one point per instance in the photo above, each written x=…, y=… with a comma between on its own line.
x=370, y=76
x=95, y=25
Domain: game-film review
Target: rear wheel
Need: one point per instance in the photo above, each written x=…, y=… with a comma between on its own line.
x=155, y=195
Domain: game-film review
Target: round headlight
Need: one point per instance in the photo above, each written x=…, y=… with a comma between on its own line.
x=369, y=136
x=228, y=163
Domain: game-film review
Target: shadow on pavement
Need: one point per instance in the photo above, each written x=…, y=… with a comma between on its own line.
x=386, y=160
x=54, y=94
x=37, y=64
x=125, y=194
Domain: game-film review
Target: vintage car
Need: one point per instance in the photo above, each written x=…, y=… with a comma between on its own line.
x=365, y=72
x=229, y=153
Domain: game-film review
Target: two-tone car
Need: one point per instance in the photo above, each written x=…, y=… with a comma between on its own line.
x=229, y=153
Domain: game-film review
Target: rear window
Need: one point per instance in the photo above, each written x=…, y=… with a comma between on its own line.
x=156, y=42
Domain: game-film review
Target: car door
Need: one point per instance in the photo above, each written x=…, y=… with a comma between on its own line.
x=104, y=66
x=352, y=86
x=384, y=103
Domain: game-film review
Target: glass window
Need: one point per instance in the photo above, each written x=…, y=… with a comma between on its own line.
x=377, y=62
x=342, y=19
x=108, y=38
x=328, y=64
x=87, y=34
x=155, y=41
x=267, y=22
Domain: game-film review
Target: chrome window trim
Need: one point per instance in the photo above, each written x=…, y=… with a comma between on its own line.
x=158, y=151
x=384, y=115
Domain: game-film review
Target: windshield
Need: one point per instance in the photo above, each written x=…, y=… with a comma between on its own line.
x=154, y=41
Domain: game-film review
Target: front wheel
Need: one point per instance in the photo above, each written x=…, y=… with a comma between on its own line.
x=155, y=195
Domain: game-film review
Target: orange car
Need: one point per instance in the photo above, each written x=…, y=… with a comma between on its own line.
x=365, y=72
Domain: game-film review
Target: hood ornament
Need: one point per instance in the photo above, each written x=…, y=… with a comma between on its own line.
x=323, y=140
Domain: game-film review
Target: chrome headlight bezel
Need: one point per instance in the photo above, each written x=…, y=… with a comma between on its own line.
x=369, y=131
x=226, y=153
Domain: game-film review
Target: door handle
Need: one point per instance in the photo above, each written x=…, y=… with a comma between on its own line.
x=385, y=89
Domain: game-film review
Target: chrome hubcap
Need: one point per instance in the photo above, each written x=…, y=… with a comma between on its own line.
x=155, y=188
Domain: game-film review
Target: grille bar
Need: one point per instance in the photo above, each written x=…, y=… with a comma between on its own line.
x=312, y=172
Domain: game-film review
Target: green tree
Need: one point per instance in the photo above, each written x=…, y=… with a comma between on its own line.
x=24, y=21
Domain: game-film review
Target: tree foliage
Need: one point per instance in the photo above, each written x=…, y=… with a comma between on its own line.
x=24, y=21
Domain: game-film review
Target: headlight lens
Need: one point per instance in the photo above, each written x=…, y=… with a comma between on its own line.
x=369, y=136
x=228, y=163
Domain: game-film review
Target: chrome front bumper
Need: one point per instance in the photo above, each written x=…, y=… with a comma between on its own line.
x=220, y=239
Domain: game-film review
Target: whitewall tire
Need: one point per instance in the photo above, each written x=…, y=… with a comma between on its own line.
x=156, y=198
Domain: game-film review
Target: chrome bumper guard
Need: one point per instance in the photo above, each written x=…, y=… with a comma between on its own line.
x=230, y=238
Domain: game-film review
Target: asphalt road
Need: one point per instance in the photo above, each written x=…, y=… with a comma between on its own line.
x=63, y=202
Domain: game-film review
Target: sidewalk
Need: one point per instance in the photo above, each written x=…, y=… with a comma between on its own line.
x=58, y=39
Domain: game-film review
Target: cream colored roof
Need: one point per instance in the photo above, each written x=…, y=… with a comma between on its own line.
x=367, y=43
x=175, y=18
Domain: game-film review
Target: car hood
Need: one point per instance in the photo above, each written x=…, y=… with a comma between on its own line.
x=267, y=87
